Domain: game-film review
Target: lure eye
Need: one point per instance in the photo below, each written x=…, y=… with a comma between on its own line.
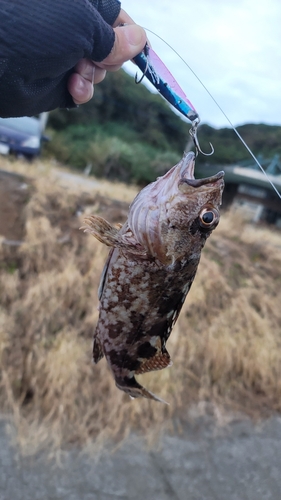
x=209, y=217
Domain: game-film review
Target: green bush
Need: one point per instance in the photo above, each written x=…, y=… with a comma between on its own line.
x=116, y=159
x=111, y=158
x=113, y=150
x=130, y=134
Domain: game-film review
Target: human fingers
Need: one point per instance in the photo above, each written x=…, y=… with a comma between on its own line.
x=80, y=83
x=129, y=41
x=81, y=90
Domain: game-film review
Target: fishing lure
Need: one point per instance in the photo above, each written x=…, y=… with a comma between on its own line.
x=162, y=79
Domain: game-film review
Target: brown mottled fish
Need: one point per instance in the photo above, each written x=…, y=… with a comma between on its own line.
x=150, y=269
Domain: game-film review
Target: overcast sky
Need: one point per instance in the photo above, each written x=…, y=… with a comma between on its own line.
x=234, y=46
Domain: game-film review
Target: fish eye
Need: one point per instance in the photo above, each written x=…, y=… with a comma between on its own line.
x=208, y=217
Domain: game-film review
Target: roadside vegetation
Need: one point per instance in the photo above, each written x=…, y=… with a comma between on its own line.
x=225, y=346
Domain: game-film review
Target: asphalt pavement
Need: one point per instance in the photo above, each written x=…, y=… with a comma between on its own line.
x=239, y=461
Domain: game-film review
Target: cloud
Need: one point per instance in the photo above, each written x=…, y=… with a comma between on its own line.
x=233, y=47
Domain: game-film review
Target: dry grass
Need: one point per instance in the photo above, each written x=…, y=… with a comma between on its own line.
x=225, y=346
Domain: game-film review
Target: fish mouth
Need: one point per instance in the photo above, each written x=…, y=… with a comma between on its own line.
x=187, y=173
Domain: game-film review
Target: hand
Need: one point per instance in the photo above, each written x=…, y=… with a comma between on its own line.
x=129, y=41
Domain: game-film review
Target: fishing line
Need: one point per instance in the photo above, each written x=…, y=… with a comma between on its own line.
x=222, y=111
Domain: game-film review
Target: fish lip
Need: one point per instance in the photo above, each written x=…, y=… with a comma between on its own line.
x=187, y=172
x=187, y=166
x=202, y=182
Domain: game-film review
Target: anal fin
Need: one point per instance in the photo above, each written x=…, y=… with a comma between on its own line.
x=159, y=361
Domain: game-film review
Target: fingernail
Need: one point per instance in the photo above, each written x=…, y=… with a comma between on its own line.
x=134, y=34
x=80, y=85
x=93, y=74
x=89, y=73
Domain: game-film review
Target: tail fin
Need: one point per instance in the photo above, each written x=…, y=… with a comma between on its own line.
x=135, y=390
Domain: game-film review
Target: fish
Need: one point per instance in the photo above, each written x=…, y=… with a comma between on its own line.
x=150, y=268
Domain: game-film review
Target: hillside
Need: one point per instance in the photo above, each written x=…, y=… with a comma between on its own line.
x=125, y=132
x=225, y=346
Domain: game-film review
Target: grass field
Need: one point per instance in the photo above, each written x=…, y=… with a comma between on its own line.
x=226, y=346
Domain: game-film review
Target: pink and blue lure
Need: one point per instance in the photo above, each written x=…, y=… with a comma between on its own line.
x=162, y=79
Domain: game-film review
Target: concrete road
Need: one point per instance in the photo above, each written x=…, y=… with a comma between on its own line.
x=239, y=462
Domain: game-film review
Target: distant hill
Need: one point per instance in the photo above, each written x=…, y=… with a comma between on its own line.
x=126, y=132
x=264, y=140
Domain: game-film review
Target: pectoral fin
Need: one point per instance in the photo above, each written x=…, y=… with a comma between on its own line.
x=110, y=236
x=101, y=230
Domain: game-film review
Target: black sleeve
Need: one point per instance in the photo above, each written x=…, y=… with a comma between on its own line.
x=108, y=9
x=40, y=43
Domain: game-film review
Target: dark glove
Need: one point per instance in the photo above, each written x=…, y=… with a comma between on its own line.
x=41, y=42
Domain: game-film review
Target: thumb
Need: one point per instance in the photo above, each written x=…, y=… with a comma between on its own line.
x=129, y=41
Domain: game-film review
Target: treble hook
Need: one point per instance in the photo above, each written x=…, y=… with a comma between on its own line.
x=143, y=75
x=141, y=61
x=193, y=133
